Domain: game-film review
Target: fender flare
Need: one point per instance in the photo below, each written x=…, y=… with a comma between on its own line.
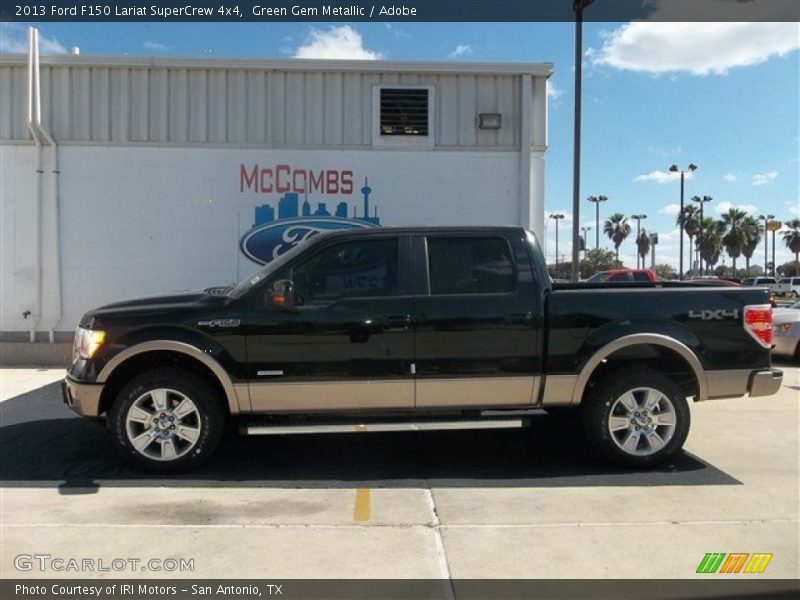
x=234, y=404
x=641, y=339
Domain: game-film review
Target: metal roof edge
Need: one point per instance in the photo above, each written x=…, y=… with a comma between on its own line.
x=543, y=69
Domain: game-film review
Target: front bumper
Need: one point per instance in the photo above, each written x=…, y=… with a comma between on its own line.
x=83, y=398
x=765, y=383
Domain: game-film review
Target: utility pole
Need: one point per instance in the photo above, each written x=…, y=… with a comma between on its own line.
x=577, y=6
x=701, y=201
x=675, y=169
x=557, y=217
x=597, y=200
x=767, y=219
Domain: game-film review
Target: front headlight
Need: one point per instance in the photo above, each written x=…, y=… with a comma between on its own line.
x=87, y=341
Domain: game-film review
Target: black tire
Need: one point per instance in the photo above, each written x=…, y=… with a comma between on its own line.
x=209, y=417
x=607, y=396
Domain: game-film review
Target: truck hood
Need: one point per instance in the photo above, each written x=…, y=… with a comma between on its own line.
x=175, y=302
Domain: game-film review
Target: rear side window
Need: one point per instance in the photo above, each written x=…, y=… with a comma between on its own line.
x=470, y=265
x=621, y=277
x=640, y=276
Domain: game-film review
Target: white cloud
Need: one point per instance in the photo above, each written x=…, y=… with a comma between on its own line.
x=461, y=50
x=337, y=42
x=696, y=48
x=554, y=92
x=730, y=177
x=662, y=176
x=14, y=38
x=724, y=206
x=158, y=47
x=670, y=209
x=760, y=179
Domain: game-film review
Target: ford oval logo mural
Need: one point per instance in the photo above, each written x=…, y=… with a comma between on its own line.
x=270, y=236
x=266, y=242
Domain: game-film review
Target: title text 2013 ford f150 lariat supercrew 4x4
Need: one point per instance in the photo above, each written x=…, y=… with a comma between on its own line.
x=388, y=327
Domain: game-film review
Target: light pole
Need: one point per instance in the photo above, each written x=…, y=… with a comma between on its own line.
x=577, y=6
x=584, y=229
x=639, y=219
x=766, y=218
x=597, y=200
x=557, y=217
x=701, y=201
x=675, y=169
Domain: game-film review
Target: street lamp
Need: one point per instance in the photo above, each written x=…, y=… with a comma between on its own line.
x=701, y=201
x=577, y=6
x=675, y=169
x=639, y=219
x=557, y=217
x=766, y=218
x=584, y=229
x=597, y=200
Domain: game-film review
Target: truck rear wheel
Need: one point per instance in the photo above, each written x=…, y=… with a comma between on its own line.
x=638, y=418
x=166, y=420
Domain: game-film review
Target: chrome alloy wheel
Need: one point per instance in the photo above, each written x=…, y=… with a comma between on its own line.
x=163, y=424
x=642, y=421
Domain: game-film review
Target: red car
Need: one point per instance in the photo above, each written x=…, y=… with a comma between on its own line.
x=623, y=275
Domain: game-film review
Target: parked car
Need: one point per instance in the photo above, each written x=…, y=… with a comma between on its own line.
x=787, y=331
x=788, y=286
x=385, y=328
x=623, y=275
x=768, y=282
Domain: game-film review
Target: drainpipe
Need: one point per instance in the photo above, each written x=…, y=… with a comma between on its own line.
x=37, y=312
x=56, y=204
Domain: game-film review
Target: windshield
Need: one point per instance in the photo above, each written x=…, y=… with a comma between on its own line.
x=261, y=274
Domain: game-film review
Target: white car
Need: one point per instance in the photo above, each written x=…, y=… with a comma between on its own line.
x=786, y=329
x=788, y=286
x=768, y=282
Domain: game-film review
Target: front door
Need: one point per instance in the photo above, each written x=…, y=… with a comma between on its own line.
x=350, y=344
x=477, y=334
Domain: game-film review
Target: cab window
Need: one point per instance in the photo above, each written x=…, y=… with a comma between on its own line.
x=357, y=269
x=470, y=265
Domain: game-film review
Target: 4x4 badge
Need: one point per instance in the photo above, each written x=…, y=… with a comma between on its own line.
x=710, y=315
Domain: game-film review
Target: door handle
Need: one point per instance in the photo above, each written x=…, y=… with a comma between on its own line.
x=398, y=321
x=523, y=318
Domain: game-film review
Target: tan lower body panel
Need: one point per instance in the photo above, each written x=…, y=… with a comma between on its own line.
x=477, y=391
x=558, y=390
x=331, y=395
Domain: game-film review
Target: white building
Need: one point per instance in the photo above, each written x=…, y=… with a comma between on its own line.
x=147, y=174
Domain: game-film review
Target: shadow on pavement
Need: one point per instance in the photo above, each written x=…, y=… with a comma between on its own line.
x=42, y=444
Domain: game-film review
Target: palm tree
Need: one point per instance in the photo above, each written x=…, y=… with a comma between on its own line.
x=752, y=230
x=689, y=221
x=709, y=243
x=643, y=245
x=791, y=237
x=734, y=238
x=617, y=229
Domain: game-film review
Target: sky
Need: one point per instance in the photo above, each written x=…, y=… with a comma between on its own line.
x=724, y=96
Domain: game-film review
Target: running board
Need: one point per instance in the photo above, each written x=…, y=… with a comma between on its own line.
x=260, y=429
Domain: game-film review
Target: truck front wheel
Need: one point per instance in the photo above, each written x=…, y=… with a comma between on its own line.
x=637, y=418
x=166, y=420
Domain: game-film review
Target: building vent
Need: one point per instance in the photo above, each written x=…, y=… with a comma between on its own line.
x=404, y=111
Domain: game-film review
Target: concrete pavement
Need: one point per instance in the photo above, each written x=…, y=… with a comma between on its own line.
x=423, y=505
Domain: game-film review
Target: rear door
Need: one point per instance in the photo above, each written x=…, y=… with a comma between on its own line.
x=477, y=331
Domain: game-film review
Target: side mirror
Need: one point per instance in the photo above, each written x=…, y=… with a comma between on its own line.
x=282, y=294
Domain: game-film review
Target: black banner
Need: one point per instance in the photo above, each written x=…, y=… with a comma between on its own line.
x=402, y=10
x=394, y=589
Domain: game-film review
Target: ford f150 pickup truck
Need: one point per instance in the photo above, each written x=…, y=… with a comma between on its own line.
x=391, y=327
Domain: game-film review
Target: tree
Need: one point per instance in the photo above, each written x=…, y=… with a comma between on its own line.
x=752, y=230
x=643, y=245
x=734, y=237
x=709, y=242
x=791, y=237
x=617, y=229
x=665, y=271
x=689, y=221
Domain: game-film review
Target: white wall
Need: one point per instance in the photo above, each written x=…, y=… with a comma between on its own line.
x=146, y=220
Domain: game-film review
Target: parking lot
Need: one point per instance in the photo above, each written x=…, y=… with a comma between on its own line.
x=533, y=503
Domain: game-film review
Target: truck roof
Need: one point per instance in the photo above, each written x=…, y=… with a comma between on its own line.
x=426, y=229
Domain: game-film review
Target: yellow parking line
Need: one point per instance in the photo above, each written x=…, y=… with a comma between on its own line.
x=362, y=511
